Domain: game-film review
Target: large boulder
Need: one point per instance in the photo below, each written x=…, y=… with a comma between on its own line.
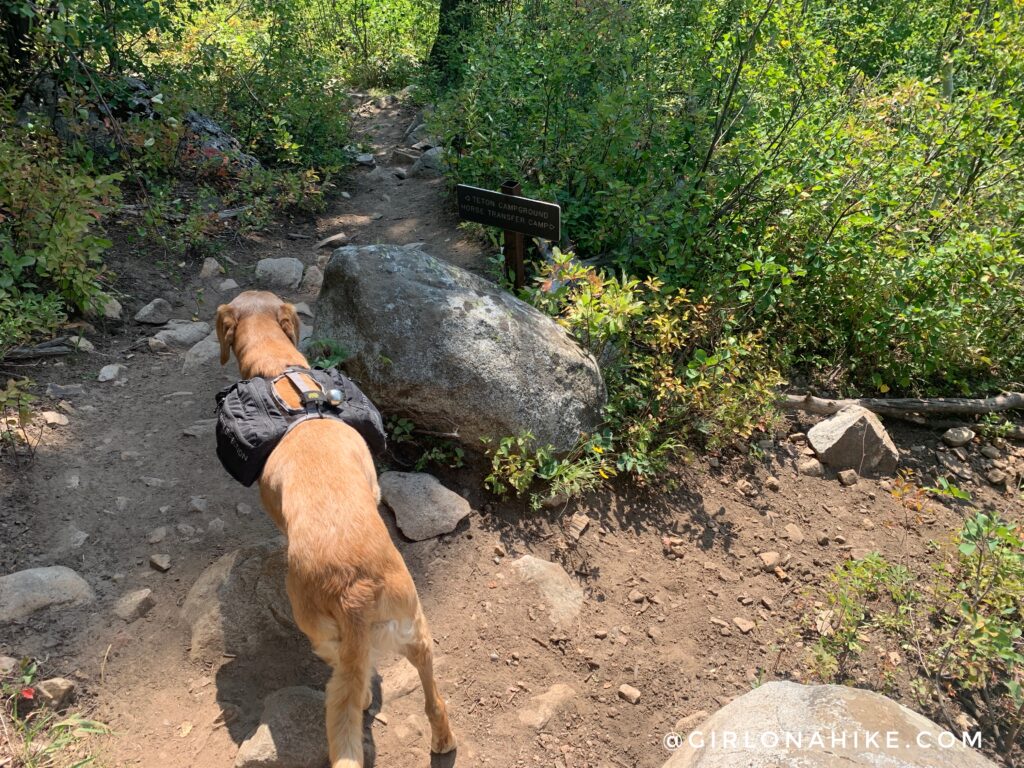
x=854, y=439
x=239, y=605
x=454, y=351
x=819, y=726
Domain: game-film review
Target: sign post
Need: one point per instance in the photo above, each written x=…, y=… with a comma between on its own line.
x=516, y=215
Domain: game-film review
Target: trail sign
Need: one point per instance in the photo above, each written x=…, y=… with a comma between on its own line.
x=517, y=215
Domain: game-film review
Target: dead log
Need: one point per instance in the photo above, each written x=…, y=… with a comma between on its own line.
x=902, y=406
x=908, y=407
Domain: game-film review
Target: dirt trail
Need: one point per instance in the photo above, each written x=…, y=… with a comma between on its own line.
x=123, y=468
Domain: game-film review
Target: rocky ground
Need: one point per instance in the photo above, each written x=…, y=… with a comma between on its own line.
x=575, y=637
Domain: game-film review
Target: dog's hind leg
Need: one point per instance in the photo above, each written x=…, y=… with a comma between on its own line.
x=420, y=653
x=346, y=698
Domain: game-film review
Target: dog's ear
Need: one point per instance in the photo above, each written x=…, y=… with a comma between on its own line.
x=227, y=318
x=288, y=319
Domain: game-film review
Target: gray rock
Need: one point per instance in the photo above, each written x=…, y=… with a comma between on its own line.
x=211, y=268
x=160, y=562
x=285, y=272
x=135, y=605
x=401, y=156
x=203, y=354
x=423, y=507
x=25, y=592
x=80, y=344
x=539, y=710
x=430, y=163
x=312, y=281
x=157, y=535
x=957, y=436
x=112, y=309
x=291, y=732
x=157, y=312
x=811, y=468
x=799, y=712
x=562, y=595
x=854, y=438
x=366, y=159
x=334, y=241
x=848, y=477
x=239, y=606
x=182, y=334
x=201, y=428
x=60, y=391
x=198, y=505
x=226, y=285
x=56, y=692
x=206, y=143
x=112, y=372
x=454, y=350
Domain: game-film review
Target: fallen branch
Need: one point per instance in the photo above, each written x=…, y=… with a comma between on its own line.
x=909, y=408
x=907, y=405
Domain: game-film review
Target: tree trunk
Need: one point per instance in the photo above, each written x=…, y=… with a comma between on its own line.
x=452, y=21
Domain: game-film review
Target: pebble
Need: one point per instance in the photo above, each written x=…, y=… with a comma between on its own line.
x=745, y=626
x=211, y=268
x=160, y=562
x=157, y=312
x=794, y=534
x=996, y=477
x=198, y=505
x=55, y=692
x=112, y=372
x=848, y=477
x=215, y=526
x=636, y=596
x=811, y=468
x=991, y=452
x=629, y=693
x=772, y=483
x=157, y=535
x=64, y=390
x=135, y=605
x=55, y=419
x=769, y=560
x=243, y=509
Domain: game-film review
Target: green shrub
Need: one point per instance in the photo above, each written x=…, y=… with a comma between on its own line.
x=848, y=177
x=50, y=239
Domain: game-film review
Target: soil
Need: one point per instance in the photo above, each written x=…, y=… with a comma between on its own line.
x=660, y=621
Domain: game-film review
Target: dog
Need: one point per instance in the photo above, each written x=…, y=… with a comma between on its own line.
x=350, y=590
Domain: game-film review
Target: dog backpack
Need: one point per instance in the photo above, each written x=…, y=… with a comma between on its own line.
x=252, y=418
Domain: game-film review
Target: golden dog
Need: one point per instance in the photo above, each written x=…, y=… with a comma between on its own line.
x=350, y=590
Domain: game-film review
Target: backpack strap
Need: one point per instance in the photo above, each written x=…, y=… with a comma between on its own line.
x=313, y=399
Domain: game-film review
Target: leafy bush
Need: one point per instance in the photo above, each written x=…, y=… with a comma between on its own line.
x=679, y=376
x=962, y=622
x=848, y=177
x=50, y=243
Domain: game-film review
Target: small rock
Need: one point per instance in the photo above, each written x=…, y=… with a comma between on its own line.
x=54, y=419
x=112, y=372
x=769, y=560
x=366, y=159
x=8, y=666
x=215, y=526
x=636, y=596
x=202, y=354
x=290, y=734
x=562, y=595
x=201, y=428
x=211, y=268
x=854, y=438
x=578, y=523
x=135, y=605
x=226, y=285
x=400, y=156
x=198, y=505
x=160, y=562
x=629, y=693
x=312, y=281
x=285, y=272
x=112, y=309
x=243, y=509
x=157, y=312
x=794, y=533
x=181, y=334
x=81, y=344
x=685, y=724
x=539, y=710
x=991, y=452
x=654, y=633
x=848, y=477
x=746, y=626
x=430, y=163
x=185, y=529
x=957, y=436
x=59, y=391
x=157, y=535
x=996, y=477
x=811, y=468
x=423, y=507
x=772, y=483
x=55, y=692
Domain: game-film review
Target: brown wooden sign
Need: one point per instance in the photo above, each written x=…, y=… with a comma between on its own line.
x=510, y=212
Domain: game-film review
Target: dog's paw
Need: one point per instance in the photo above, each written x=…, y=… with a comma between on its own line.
x=443, y=743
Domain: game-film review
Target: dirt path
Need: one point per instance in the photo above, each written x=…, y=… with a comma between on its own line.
x=122, y=469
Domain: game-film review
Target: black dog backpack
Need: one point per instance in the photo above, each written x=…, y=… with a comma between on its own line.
x=252, y=418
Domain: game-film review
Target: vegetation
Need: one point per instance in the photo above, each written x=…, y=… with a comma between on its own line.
x=844, y=178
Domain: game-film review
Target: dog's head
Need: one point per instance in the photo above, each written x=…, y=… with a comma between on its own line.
x=259, y=318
